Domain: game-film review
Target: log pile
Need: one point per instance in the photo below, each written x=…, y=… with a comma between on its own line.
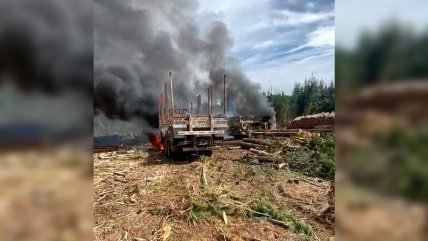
x=269, y=151
x=266, y=151
x=267, y=143
x=304, y=152
x=320, y=121
x=282, y=133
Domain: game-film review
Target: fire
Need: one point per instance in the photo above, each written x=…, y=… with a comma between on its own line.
x=156, y=142
x=272, y=127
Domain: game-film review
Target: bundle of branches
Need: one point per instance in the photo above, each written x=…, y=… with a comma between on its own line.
x=315, y=158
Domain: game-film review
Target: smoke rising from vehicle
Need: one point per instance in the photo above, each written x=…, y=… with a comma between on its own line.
x=138, y=43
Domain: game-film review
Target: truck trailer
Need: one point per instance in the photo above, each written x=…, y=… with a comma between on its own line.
x=183, y=131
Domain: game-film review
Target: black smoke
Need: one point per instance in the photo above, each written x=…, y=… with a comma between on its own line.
x=46, y=50
x=138, y=42
x=46, y=45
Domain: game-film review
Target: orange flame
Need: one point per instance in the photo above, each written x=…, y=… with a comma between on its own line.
x=156, y=142
x=272, y=127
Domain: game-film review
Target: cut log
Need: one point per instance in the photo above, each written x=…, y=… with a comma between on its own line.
x=269, y=159
x=230, y=143
x=233, y=147
x=298, y=140
x=311, y=121
x=285, y=133
x=248, y=145
x=260, y=152
x=258, y=141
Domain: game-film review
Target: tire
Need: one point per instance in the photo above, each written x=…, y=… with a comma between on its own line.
x=168, y=151
x=207, y=153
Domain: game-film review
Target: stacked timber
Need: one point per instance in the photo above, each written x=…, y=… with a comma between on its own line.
x=320, y=121
x=406, y=100
x=283, y=133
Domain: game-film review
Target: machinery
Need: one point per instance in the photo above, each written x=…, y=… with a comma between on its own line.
x=183, y=131
x=240, y=127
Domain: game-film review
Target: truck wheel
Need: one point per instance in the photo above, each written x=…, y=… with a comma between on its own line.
x=207, y=153
x=167, y=148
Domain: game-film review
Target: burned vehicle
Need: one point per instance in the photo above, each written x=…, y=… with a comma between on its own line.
x=183, y=131
x=240, y=127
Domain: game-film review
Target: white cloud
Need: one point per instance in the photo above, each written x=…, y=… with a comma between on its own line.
x=295, y=49
x=267, y=57
x=264, y=45
x=290, y=18
x=321, y=37
x=284, y=74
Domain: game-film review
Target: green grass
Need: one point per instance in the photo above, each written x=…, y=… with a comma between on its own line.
x=205, y=161
x=201, y=211
x=173, y=182
x=266, y=209
x=212, y=203
x=249, y=172
x=267, y=193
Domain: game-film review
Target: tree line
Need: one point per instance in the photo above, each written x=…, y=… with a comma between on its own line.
x=393, y=53
x=310, y=97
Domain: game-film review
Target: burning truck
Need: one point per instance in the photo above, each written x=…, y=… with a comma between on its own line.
x=240, y=127
x=189, y=131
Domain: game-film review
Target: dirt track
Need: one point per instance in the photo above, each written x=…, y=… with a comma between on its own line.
x=151, y=198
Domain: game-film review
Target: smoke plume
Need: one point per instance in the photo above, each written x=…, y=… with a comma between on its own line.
x=138, y=42
x=46, y=45
x=46, y=52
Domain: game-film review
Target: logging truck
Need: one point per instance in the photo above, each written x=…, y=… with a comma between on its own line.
x=189, y=131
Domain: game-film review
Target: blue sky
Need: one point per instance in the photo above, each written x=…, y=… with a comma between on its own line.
x=279, y=42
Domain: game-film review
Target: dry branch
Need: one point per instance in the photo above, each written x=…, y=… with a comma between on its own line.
x=260, y=152
x=257, y=141
x=204, y=177
x=249, y=145
x=233, y=147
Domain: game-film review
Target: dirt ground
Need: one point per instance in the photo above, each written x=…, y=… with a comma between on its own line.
x=141, y=195
x=46, y=195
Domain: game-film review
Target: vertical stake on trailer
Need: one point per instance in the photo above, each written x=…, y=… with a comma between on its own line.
x=199, y=104
x=165, y=108
x=209, y=103
x=172, y=94
x=211, y=99
x=224, y=96
x=160, y=109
